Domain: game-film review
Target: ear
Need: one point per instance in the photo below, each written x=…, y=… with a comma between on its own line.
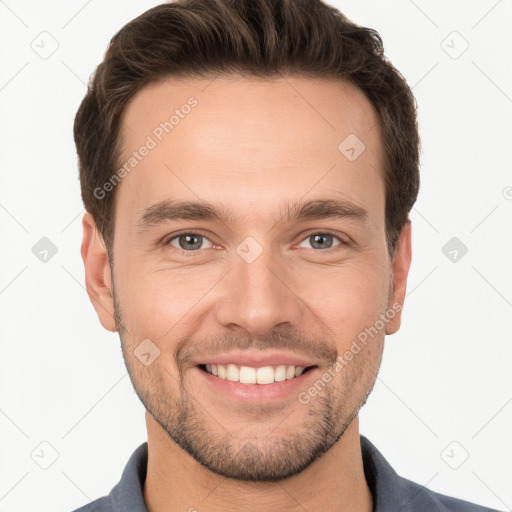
x=399, y=272
x=98, y=280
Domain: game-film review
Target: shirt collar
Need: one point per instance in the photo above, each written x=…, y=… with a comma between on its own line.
x=390, y=492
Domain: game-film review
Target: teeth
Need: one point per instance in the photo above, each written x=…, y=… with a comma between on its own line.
x=233, y=373
x=249, y=375
x=222, y=373
x=265, y=375
x=280, y=373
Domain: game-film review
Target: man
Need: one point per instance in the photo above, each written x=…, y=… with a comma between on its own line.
x=221, y=144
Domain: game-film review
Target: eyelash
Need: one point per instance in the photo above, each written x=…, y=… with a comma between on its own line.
x=167, y=241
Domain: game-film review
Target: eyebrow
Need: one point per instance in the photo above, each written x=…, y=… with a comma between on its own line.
x=172, y=210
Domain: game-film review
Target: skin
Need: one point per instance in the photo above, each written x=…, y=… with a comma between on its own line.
x=251, y=145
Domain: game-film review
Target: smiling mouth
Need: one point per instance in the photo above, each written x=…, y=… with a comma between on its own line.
x=251, y=375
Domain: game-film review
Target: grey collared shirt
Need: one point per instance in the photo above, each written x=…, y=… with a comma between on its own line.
x=391, y=493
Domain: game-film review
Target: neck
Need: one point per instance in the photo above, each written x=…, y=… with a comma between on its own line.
x=176, y=481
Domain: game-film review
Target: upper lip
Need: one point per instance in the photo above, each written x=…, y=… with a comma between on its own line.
x=258, y=358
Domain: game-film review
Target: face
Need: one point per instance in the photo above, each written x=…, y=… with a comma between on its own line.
x=281, y=262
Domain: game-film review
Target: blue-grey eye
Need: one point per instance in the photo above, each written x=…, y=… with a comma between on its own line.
x=188, y=241
x=321, y=241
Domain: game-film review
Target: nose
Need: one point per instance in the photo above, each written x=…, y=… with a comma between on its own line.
x=259, y=296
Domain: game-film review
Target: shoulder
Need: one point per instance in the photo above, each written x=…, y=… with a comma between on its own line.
x=422, y=497
x=127, y=494
x=392, y=492
x=100, y=505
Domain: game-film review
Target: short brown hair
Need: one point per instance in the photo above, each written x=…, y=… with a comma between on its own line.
x=261, y=38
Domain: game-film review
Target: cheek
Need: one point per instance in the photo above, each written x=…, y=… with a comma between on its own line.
x=157, y=300
x=348, y=299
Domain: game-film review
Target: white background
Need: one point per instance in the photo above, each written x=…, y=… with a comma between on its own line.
x=445, y=376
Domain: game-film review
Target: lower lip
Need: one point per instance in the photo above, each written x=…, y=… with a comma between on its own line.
x=258, y=393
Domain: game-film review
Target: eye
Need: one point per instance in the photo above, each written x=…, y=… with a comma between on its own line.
x=192, y=242
x=322, y=240
x=188, y=241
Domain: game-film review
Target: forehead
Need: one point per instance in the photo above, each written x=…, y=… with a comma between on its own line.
x=249, y=142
